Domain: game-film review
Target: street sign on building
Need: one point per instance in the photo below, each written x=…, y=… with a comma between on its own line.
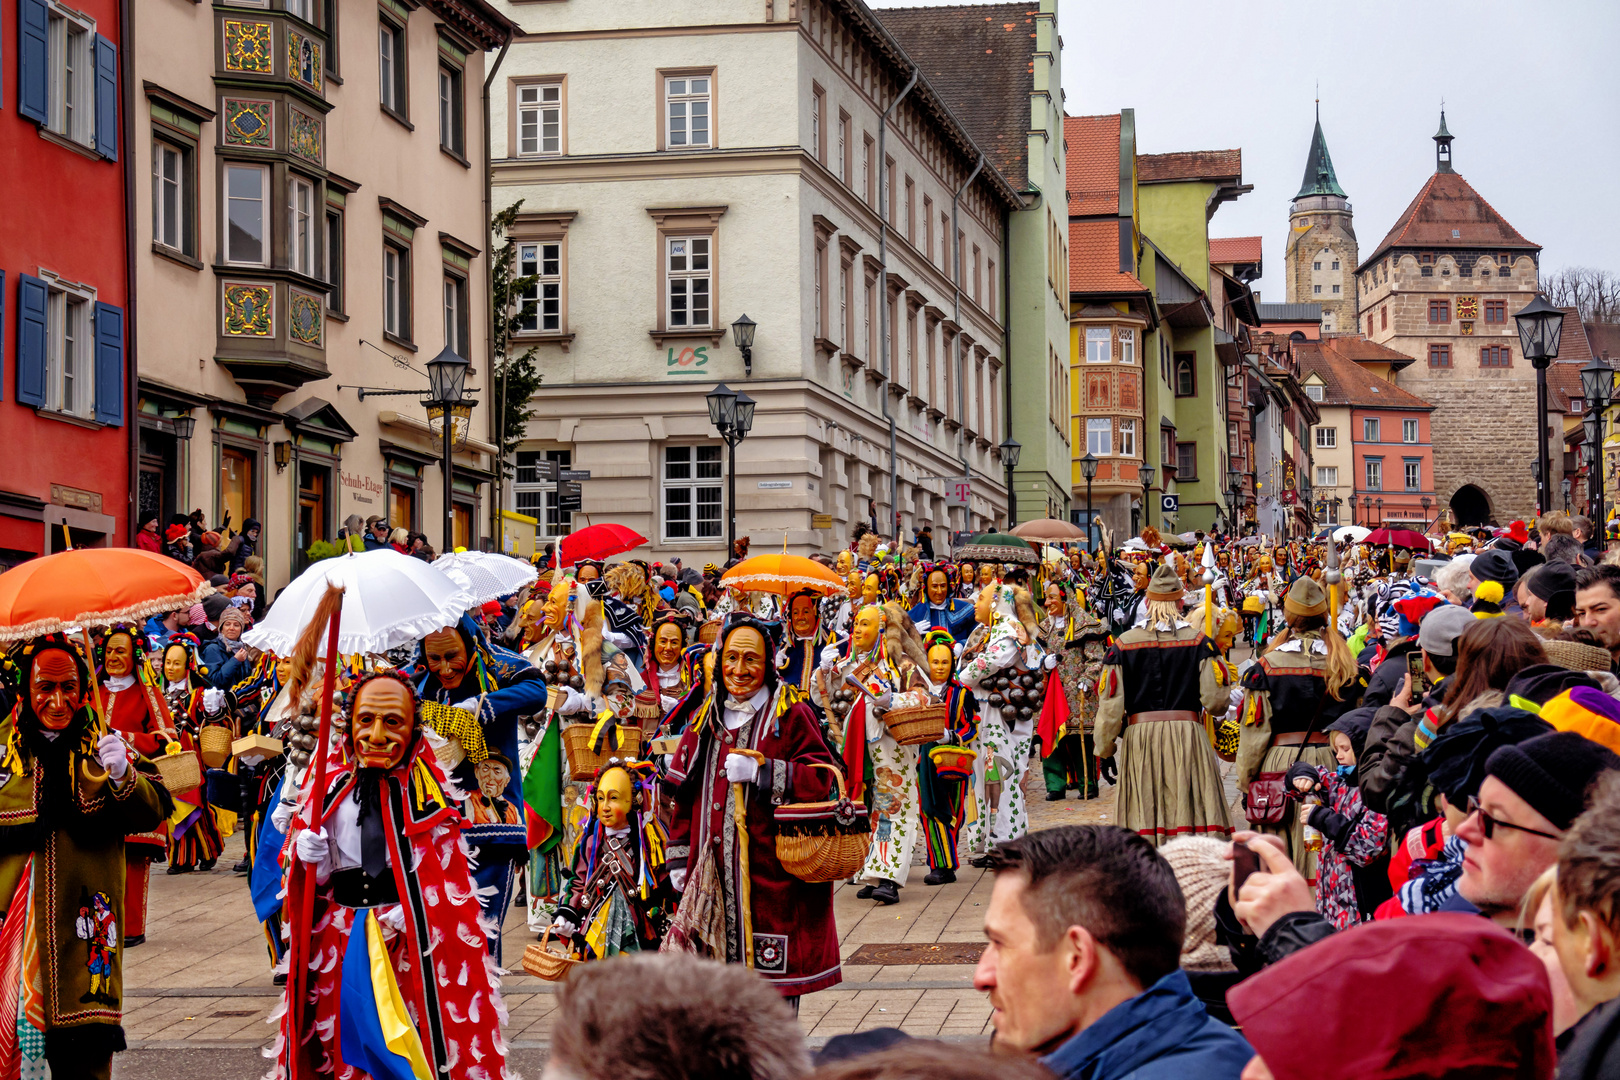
x=570, y=496
x=545, y=469
x=821, y=521
x=958, y=490
x=574, y=474
x=1169, y=504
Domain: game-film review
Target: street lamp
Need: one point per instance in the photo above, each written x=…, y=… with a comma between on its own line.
x=1010, y=448
x=743, y=332
x=1234, y=488
x=1567, y=486
x=1379, y=502
x=1366, y=511
x=1597, y=386
x=732, y=414
x=1540, y=327
x=1424, y=502
x=447, y=379
x=1145, y=473
x=1088, y=469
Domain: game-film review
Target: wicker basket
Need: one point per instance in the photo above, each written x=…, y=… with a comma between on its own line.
x=917, y=725
x=583, y=761
x=214, y=744
x=180, y=772
x=823, y=841
x=540, y=961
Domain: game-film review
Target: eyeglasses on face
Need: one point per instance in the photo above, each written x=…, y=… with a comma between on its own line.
x=1490, y=824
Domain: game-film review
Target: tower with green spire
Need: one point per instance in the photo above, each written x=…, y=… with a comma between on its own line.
x=1321, y=255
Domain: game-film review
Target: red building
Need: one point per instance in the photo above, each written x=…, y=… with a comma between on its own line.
x=64, y=279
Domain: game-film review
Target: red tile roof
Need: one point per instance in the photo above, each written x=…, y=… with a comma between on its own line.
x=1449, y=213
x=1189, y=165
x=1347, y=382
x=1574, y=353
x=1359, y=349
x=1234, y=249
x=980, y=58
x=1604, y=338
x=1094, y=259
x=1093, y=164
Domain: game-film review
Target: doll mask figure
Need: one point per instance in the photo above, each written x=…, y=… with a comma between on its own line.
x=742, y=663
x=844, y=564
x=869, y=589
x=939, y=587
x=802, y=616
x=965, y=573
x=555, y=611
x=987, y=574
x=118, y=656
x=446, y=657
x=852, y=585
x=283, y=670
x=1056, y=605
x=868, y=625
x=587, y=572
x=384, y=718
x=1139, y=577
x=614, y=796
x=174, y=663
x=667, y=645
x=55, y=689
x=941, y=659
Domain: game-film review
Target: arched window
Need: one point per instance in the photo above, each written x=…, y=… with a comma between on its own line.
x=1186, y=375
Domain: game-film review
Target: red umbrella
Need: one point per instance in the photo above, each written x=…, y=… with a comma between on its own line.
x=597, y=542
x=1402, y=538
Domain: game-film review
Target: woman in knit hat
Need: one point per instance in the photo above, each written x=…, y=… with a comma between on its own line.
x=1301, y=684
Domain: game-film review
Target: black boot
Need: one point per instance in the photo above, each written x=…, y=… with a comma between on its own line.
x=243, y=867
x=133, y=940
x=177, y=868
x=206, y=864
x=940, y=876
x=979, y=862
x=1056, y=796
x=865, y=892
x=887, y=892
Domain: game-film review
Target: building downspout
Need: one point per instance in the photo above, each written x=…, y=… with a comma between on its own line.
x=1006, y=352
x=883, y=299
x=126, y=45
x=497, y=497
x=961, y=362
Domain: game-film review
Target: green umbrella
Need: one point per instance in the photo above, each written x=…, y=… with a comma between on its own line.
x=999, y=547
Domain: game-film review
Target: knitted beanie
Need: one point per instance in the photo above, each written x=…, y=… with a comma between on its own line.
x=1202, y=870
x=1552, y=772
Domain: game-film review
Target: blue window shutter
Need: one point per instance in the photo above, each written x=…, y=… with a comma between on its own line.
x=109, y=364
x=31, y=298
x=33, y=60
x=106, y=99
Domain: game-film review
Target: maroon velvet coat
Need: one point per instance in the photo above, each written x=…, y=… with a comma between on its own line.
x=794, y=937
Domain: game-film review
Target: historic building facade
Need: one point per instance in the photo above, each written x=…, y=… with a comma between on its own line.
x=1442, y=287
x=787, y=162
x=310, y=228
x=1320, y=263
x=64, y=285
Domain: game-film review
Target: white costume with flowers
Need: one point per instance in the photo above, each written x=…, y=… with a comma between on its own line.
x=1006, y=743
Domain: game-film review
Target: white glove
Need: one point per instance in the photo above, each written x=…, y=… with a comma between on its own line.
x=677, y=879
x=1050, y=662
x=467, y=704
x=563, y=928
x=829, y=657
x=213, y=700
x=575, y=702
x=282, y=815
x=741, y=769
x=311, y=846
x=392, y=920
x=114, y=755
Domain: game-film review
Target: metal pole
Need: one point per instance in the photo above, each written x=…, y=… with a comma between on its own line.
x=1088, y=513
x=447, y=466
x=1543, y=503
x=731, y=497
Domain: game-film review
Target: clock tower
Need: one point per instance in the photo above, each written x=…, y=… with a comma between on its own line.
x=1321, y=257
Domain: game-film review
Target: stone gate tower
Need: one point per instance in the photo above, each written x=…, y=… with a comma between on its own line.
x=1322, y=253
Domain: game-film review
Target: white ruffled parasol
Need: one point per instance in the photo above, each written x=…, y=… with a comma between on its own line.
x=486, y=575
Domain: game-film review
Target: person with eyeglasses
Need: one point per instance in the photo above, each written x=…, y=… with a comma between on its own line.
x=1533, y=791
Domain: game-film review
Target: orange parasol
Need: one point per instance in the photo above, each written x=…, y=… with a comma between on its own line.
x=93, y=587
x=781, y=574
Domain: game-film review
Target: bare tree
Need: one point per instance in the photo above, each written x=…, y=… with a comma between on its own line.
x=1594, y=293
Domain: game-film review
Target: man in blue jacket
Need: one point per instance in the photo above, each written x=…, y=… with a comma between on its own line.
x=1085, y=927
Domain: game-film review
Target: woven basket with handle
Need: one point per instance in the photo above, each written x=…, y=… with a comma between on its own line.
x=583, y=761
x=539, y=960
x=214, y=744
x=180, y=772
x=823, y=841
x=917, y=725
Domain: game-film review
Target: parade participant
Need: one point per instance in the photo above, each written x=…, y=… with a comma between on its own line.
x=395, y=899
x=967, y=579
x=464, y=670
x=1005, y=643
x=738, y=903
x=1262, y=592
x=945, y=800
x=939, y=610
x=668, y=649
x=1075, y=643
x=73, y=794
x=194, y=841
x=616, y=897
x=989, y=574
x=805, y=640
x=1301, y=685
x=137, y=711
x=629, y=607
x=1155, y=680
x=886, y=658
x=262, y=707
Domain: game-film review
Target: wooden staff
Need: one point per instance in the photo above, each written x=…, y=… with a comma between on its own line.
x=739, y=814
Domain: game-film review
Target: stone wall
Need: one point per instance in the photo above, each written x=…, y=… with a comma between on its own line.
x=1317, y=223
x=1483, y=433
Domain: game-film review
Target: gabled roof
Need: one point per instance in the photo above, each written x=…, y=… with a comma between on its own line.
x=1094, y=259
x=1320, y=178
x=1234, y=249
x=979, y=58
x=1604, y=338
x=1359, y=349
x=1093, y=164
x=1220, y=166
x=1449, y=213
x=1574, y=353
x=1346, y=382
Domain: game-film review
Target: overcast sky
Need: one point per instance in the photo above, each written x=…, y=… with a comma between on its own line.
x=1532, y=94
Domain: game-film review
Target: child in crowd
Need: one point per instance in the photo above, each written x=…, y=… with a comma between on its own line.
x=1352, y=835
